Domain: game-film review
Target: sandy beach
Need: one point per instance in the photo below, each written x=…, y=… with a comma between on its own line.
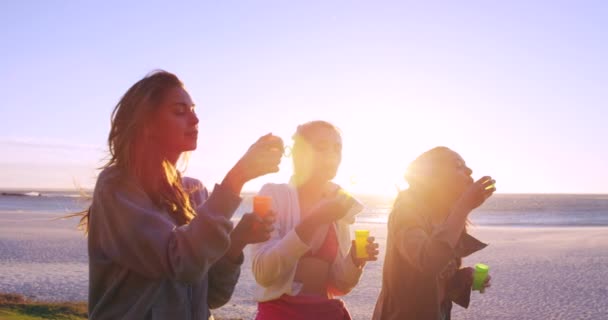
x=538, y=273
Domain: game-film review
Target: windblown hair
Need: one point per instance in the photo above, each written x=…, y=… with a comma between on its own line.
x=135, y=153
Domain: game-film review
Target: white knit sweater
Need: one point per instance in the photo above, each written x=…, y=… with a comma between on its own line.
x=274, y=262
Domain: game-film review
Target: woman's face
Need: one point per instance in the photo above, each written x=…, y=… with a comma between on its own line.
x=175, y=125
x=320, y=155
x=452, y=174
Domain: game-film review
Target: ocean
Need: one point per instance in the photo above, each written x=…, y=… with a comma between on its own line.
x=521, y=210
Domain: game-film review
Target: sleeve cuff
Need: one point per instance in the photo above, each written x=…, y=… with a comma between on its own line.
x=460, y=287
x=227, y=264
x=292, y=245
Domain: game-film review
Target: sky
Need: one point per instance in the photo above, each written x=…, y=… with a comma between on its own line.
x=518, y=88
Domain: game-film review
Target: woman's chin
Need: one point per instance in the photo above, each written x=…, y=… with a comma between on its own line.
x=190, y=146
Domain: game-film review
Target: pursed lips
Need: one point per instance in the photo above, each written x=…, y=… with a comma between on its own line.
x=192, y=134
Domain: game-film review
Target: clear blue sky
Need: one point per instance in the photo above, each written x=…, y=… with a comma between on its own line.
x=519, y=88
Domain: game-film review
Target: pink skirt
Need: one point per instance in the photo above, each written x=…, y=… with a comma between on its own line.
x=302, y=308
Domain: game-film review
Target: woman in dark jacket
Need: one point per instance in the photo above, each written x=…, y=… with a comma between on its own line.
x=427, y=239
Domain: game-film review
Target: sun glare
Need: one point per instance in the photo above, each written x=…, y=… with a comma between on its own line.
x=371, y=175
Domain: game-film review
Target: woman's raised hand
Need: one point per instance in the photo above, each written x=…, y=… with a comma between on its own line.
x=478, y=192
x=262, y=157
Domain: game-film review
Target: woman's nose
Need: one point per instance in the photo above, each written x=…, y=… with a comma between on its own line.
x=333, y=158
x=193, y=119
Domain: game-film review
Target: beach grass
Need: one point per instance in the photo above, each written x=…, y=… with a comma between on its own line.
x=17, y=307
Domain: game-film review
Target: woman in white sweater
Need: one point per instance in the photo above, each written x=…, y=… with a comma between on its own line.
x=309, y=258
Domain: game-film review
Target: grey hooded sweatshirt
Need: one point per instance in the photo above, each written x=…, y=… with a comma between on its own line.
x=143, y=266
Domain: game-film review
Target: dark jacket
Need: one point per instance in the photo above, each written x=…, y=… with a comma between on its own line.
x=417, y=256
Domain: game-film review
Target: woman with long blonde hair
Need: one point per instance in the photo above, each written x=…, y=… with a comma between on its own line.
x=160, y=245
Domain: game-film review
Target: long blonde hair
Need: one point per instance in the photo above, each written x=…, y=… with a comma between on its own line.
x=133, y=151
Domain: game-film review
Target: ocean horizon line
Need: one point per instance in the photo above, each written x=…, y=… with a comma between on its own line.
x=21, y=190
